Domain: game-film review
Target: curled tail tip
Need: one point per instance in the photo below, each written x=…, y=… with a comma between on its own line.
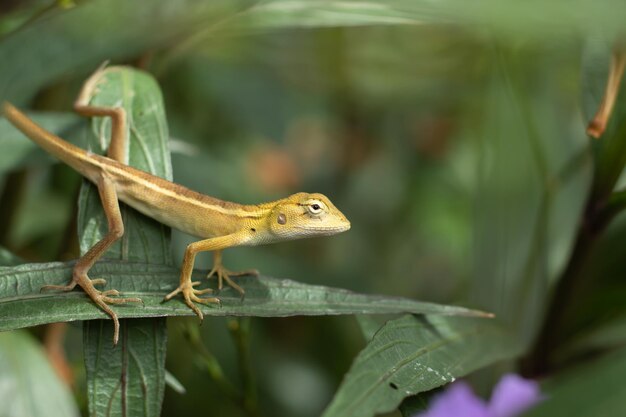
x=8, y=108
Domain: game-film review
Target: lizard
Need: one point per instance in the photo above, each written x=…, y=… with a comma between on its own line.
x=219, y=224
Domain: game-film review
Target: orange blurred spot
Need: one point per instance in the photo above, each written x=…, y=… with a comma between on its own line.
x=273, y=169
x=53, y=345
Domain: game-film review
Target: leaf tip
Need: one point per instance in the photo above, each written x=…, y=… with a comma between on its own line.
x=7, y=108
x=482, y=314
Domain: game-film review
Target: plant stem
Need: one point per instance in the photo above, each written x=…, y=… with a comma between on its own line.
x=213, y=366
x=597, y=216
x=240, y=330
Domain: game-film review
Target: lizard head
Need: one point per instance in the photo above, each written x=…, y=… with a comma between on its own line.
x=306, y=215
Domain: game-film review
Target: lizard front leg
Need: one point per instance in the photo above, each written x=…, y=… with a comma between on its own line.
x=110, y=203
x=186, y=286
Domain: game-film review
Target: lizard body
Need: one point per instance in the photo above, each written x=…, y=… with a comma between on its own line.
x=221, y=224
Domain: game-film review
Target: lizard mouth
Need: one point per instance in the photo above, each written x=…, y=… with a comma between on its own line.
x=328, y=229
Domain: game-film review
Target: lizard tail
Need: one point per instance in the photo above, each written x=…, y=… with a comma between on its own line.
x=72, y=155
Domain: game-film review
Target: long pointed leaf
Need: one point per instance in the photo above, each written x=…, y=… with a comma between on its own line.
x=415, y=354
x=127, y=379
x=23, y=305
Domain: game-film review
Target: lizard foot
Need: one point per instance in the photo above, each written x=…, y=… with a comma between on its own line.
x=190, y=295
x=224, y=274
x=101, y=298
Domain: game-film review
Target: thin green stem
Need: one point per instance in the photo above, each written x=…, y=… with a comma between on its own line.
x=212, y=365
x=240, y=331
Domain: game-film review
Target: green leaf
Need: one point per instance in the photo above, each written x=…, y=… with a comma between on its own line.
x=596, y=59
x=559, y=18
x=28, y=384
x=8, y=258
x=82, y=37
x=369, y=325
x=595, y=389
x=533, y=185
x=145, y=239
x=128, y=379
x=78, y=39
x=16, y=151
x=415, y=354
x=282, y=14
x=23, y=305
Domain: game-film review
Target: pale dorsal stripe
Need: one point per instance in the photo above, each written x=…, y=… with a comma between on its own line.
x=162, y=187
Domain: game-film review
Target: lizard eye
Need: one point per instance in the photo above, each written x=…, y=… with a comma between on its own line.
x=315, y=207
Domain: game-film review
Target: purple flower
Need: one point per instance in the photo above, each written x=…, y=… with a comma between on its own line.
x=512, y=396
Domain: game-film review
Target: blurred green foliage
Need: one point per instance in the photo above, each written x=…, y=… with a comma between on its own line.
x=451, y=134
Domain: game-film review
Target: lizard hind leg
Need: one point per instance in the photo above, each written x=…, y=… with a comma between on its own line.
x=117, y=149
x=224, y=274
x=80, y=277
x=101, y=298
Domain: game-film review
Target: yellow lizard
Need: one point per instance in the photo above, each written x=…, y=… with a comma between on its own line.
x=220, y=224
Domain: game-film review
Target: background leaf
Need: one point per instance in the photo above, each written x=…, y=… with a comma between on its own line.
x=415, y=354
x=506, y=18
x=7, y=258
x=594, y=389
x=28, y=384
x=116, y=30
x=17, y=152
x=535, y=165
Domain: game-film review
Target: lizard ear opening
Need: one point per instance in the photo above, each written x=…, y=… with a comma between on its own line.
x=281, y=219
